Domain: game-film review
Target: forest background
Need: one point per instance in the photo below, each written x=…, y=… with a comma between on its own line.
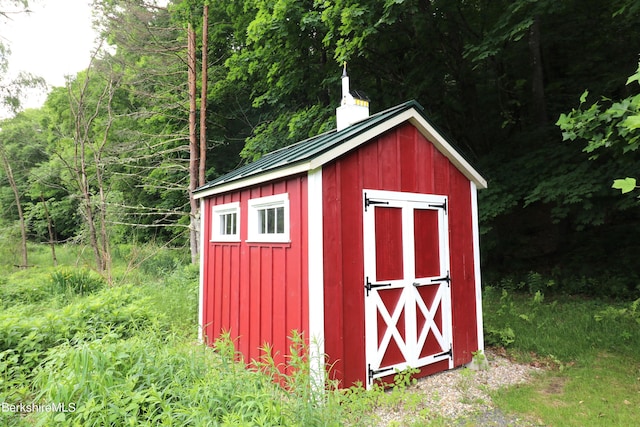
x=175, y=96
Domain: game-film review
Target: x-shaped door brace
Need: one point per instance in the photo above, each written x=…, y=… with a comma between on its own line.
x=409, y=295
x=391, y=323
x=429, y=315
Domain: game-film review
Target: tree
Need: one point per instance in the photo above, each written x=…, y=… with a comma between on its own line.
x=607, y=125
x=88, y=112
x=204, y=75
x=6, y=165
x=189, y=12
x=192, y=64
x=152, y=169
x=490, y=75
x=20, y=154
x=283, y=60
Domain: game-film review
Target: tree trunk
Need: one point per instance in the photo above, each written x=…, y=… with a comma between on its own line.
x=97, y=154
x=537, y=86
x=104, y=235
x=52, y=239
x=79, y=168
x=193, y=142
x=16, y=194
x=90, y=218
x=202, y=167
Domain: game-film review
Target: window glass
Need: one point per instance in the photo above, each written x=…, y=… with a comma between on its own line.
x=225, y=222
x=280, y=220
x=269, y=219
x=228, y=223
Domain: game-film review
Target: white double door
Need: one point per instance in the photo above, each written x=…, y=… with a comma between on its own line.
x=407, y=285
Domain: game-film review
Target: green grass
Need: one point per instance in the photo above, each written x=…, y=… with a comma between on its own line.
x=592, y=352
x=604, y=393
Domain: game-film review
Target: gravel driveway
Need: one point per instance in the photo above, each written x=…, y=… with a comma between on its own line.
x=462, y=395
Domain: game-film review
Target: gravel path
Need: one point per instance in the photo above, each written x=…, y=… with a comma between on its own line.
x=462, y=395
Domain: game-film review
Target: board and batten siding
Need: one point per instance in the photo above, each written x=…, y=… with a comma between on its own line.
x=257, y=291
x=401, y=159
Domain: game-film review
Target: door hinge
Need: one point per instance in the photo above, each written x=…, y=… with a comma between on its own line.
x=371, y=373
x=439, y=205
x=446, y=353
x=368, y=202
x=368, y=285
x=446, y=278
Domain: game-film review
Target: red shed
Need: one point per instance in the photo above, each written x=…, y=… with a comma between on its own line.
x=364, y=238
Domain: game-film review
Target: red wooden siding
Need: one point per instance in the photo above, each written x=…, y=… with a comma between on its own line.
x=258, y=292
x=398, y=160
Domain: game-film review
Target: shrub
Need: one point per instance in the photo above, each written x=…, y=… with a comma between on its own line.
x=604, y=284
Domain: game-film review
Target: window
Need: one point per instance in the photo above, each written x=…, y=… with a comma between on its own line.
x=225, y=225
x=269, y=219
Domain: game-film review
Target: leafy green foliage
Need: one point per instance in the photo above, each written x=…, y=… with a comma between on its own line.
x=613, y=126
x=628, y=314
x=127, y=354
x=274, y=80
x=26, y=338
x=24, y=287
x=144, y=381
x=626, y=185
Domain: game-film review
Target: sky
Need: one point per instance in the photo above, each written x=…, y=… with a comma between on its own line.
x=53, y=41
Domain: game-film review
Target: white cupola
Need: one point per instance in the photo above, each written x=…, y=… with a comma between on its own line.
x=353, y=107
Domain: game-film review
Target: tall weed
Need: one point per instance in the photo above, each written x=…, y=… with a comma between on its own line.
x=69, y=283
x=144, y=381
x=176, y=297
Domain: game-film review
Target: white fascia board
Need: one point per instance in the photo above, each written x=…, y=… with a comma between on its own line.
x=423, y=127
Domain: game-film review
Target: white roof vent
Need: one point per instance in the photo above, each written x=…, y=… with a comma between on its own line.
x=353, y=107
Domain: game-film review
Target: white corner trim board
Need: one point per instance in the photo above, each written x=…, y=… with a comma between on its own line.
x=316, y=278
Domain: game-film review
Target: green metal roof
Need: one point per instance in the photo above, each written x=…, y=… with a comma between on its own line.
x=306, y=150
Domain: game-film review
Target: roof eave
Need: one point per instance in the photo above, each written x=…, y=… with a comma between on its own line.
x=411, y=115
x=253, y=179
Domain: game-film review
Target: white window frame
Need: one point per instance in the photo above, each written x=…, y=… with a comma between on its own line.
x=255, y=206
x=217, y=214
